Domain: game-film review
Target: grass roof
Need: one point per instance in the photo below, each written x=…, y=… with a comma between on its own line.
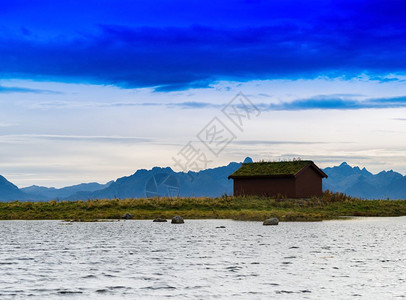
x=271, y=168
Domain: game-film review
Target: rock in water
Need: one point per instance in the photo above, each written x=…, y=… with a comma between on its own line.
x=177, y=220
x=127, y=216
x=160, y=220
x=271, y=221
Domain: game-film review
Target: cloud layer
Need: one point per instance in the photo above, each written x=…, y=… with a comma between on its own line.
x=326, y=102
x=299, y=40
x=322, y=102
x=13, y=89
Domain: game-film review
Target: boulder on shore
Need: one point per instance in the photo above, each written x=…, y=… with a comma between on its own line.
x=127, y=216
x=177, y=220
x=160, y=220
x=271, y=221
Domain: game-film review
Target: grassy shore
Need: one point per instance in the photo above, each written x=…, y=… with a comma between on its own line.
x=329, y=206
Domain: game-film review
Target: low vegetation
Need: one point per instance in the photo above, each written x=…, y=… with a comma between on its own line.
x=267, y=168
x=329, y=206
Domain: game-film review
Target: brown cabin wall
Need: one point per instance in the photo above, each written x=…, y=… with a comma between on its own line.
x=265, y=186
x=308, y=184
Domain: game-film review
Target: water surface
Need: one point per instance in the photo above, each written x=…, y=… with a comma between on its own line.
x=360, y=258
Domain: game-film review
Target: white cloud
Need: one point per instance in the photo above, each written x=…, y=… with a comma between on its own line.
x=98, y=133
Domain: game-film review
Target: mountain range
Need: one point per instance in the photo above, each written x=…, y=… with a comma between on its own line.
x=213, y=182
x=361, y=183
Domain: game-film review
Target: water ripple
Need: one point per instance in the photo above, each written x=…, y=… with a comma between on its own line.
x=360, y=258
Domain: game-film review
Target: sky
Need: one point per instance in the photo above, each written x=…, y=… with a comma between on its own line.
x=94, y=90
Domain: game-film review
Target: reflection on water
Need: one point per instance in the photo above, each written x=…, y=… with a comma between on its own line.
x=361, y=258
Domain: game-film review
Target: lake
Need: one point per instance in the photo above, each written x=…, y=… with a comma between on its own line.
x=359, y=258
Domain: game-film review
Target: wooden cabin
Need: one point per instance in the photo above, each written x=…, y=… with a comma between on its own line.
x=293, y=179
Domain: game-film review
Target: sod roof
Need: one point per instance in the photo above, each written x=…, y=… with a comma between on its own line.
x=282, y=168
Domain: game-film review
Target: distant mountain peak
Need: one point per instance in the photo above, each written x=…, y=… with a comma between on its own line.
x=248, y=160
x=158, y=169
x=7, y=184
x=9, y=191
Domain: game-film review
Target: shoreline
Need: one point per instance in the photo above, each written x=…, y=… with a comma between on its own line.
x=69, y=222
x=331, y=206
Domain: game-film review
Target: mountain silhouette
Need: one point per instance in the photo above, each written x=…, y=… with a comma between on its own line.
x=41, y=192
x=361, y=183
x=164, y=182
x=10, y=192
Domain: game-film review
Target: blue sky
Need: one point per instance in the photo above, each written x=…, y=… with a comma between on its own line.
x=172, y=45
x=93, y=90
